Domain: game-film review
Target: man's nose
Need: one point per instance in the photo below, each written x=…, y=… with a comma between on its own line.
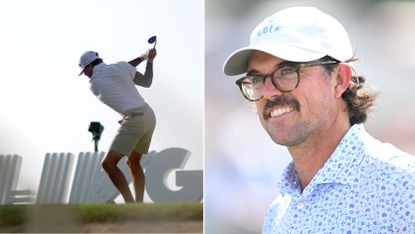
x=270, y=91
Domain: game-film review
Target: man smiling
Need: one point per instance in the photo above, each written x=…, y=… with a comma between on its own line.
x=309, y=98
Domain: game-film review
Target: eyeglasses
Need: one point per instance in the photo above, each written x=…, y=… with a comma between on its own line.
x=285, y=79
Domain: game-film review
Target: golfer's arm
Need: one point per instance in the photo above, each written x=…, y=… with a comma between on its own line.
x=146, y=79
x=136, y=61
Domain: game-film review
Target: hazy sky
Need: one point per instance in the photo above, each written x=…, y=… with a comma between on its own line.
x=45, y=107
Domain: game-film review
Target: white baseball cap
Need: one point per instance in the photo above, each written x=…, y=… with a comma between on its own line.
x=297, y=34
x=87, y=58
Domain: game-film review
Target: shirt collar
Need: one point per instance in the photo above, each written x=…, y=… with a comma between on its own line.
x=290, y=182
x=96, y=69
x=341, y=167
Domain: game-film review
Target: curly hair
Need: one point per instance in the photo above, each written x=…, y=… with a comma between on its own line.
x=359, y=98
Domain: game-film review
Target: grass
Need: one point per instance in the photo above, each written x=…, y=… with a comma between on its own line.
x=15, y=215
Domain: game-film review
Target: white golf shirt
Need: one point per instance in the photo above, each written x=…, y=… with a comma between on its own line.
x=113, y=85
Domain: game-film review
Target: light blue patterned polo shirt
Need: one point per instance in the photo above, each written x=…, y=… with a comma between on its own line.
x=366, y=186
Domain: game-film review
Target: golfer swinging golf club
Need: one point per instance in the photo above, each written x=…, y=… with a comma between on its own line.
x=114, y=85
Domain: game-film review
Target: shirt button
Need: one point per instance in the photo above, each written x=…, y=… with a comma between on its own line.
x=300, y=205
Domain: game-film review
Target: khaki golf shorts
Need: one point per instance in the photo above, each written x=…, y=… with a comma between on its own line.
x=135, y=131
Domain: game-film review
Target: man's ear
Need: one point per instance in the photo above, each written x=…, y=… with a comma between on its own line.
x=344, y=74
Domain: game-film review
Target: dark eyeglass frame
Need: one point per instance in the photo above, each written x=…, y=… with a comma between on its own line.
x=296, y=66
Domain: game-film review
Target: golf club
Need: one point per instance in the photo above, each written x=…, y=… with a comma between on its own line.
x=152, y=40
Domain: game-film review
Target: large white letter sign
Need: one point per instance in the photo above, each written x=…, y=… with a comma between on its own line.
x=158, y=169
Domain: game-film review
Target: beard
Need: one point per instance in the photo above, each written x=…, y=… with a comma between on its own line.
x=293, y=131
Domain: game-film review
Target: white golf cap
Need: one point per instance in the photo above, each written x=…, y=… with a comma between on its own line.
x=87, y=58
x=297, y=34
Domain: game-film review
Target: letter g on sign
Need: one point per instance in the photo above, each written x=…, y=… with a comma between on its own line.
x=158, y=169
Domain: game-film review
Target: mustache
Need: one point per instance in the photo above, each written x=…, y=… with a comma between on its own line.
x=279, y=101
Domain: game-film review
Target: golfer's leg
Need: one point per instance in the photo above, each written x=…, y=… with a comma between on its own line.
x=109, y=164
x=137, y=174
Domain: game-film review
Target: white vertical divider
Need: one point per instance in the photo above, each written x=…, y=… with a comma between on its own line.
x=91, y=184
x=55, y=179
x=9, y=175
